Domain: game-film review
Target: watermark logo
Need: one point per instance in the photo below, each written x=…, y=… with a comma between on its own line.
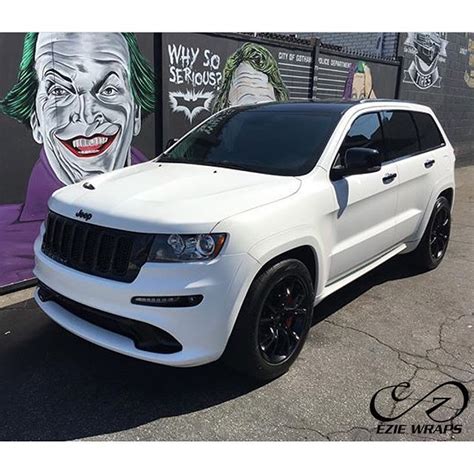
x=445, y=403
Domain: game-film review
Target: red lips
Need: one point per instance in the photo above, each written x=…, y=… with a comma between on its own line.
x=89, y=147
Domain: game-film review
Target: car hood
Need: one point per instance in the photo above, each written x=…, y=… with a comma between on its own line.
x=170, y=197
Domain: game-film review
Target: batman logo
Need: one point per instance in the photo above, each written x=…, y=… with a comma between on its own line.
x=191, y=103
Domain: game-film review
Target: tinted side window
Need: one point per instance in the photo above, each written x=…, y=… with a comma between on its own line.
x=365, y=132
x=400, y=134
x=430, y=136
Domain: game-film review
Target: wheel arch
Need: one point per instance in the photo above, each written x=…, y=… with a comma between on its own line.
x=448, y=192
x=307, y=250
x=304, y=253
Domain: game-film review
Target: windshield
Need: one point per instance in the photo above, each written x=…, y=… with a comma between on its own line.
x=283, y=142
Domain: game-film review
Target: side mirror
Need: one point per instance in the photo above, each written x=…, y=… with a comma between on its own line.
x=170, y=143
x=358, y=161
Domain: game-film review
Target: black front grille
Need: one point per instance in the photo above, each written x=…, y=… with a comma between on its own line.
x=101, y=251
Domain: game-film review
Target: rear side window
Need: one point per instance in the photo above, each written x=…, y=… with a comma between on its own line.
x=428, y=131
x=400, y=134
x=365, y=132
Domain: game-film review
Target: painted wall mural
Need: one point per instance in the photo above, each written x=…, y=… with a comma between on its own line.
x=437, y=70
x=339, y=77
x=359, y=84
x=203, y=74
x=428, y=51
x=251, y=75
x=194, y=75
x=83, y=96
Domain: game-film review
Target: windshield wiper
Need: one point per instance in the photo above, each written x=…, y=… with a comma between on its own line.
x=224, y=164
x=166, y=158
x=217, y=164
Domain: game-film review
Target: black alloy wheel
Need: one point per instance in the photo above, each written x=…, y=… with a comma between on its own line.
x=273, y=322
x=439, y=235
x=432, y=247
x=282, y=320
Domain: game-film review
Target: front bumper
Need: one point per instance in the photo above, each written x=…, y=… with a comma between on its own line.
x=202, y=330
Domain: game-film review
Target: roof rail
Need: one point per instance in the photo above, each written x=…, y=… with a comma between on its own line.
x=364, y=101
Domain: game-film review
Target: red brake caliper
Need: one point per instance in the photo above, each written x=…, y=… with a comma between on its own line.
x=289, y=320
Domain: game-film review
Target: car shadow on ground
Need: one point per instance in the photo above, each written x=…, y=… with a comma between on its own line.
x=55, y=386
x=397, y=268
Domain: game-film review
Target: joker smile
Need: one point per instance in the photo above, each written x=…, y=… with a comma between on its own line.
x=89, y=147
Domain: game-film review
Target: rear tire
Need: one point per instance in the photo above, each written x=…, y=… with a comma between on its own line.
x=273, y=322
x=432, y=247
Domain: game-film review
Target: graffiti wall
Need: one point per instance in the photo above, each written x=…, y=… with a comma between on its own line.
x=344, y=77
x=206, y=73
x=72, y=105
x=438, y=70
x=427, y=52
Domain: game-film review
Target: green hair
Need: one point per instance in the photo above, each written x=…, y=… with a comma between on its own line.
x=360, y=67
x=19, y=103
x=260, y=59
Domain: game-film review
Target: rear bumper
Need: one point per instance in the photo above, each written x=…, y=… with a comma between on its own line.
x=201, y=330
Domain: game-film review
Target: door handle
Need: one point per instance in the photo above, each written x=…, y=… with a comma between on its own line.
x=429, y=163
x=389, y=177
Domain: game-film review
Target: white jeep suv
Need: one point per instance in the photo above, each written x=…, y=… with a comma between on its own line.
x=223, y=244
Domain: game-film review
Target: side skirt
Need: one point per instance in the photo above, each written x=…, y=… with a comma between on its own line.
x=338, y=284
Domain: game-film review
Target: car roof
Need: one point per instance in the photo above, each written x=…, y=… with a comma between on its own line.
x=303, y=106
x=325, y=106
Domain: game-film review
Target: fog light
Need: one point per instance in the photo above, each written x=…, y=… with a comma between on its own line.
x=168, y=301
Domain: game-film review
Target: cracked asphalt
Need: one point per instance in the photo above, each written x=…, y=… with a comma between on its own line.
x=391, y=326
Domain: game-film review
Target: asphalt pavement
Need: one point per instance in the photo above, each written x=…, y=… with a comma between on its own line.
x=391, y=326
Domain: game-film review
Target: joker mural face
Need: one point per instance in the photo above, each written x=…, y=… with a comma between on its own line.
x=83, y=95
x=359, y=82
x=85, y=113
x=250, y=86
x=250, y=75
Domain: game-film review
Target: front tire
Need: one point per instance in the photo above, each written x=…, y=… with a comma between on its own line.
x=432, y=247
x=273, y=322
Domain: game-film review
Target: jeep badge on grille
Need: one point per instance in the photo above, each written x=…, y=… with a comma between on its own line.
x=84, y=215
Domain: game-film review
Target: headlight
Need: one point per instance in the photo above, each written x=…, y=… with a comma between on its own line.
x=186, y=247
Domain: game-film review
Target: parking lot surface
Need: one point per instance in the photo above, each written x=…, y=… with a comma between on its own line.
x=391, y=326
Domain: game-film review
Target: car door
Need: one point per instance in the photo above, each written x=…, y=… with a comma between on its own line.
x=415, y=142
x=364, y=221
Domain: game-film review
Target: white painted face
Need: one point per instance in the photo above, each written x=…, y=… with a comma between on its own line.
x=359, y=86
x=250, y=86
x=85, y=114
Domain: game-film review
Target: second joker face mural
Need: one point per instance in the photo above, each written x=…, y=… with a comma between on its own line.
x=250, y=75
